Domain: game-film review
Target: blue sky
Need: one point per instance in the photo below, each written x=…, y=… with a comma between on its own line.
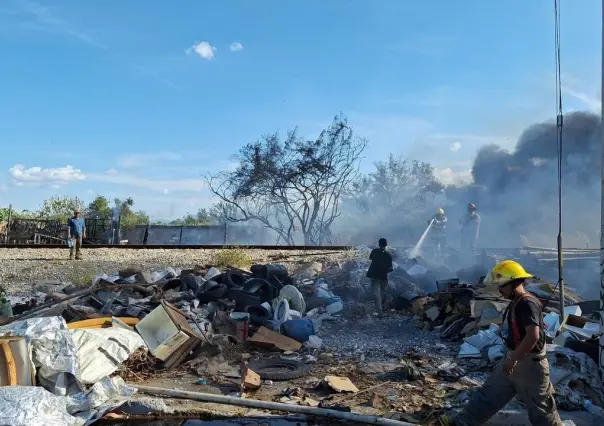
x=139, y=98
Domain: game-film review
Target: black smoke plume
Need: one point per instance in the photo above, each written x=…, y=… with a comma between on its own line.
x=517, y=192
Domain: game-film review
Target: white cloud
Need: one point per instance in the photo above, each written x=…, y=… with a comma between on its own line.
x=138, y=160
x=455, y=146
x=236, y=46
x=39, y=177
x=112, y=172
x=450, y=177
x=203, y=49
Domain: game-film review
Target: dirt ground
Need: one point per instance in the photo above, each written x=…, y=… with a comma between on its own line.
x=356, y=345
x=352, y=345
x=20, y=268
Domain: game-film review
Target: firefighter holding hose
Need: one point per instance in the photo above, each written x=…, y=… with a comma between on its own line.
x=524, y=371
x=438, y=231
x=470, y=225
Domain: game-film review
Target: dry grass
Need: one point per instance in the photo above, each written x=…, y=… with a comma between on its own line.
x=81, y=275
x=232, y=257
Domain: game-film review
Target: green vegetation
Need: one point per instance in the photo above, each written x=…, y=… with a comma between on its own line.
x=61, y=207
x=231, y=257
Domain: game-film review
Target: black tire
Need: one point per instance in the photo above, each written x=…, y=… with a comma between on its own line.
x=234, y=279
x=280, y=369
x=261, y=288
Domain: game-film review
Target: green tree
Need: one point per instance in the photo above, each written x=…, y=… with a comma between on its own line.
x=129, y=217
x=60, y=207
x=24, y=214
x=4, y=214
x=99, y=208
x=397, y=187
x=203, y=217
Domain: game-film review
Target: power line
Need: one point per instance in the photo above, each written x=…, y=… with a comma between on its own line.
x=559, y=127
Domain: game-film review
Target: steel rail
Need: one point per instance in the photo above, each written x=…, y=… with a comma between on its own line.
x=181, y=247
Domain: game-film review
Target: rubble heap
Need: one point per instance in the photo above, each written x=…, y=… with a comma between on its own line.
x=85, y=350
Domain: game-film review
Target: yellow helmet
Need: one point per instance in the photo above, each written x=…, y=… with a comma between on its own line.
x=504, y=272
x=440, y=211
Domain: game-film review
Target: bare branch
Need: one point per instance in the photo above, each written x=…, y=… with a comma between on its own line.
x=293, y=187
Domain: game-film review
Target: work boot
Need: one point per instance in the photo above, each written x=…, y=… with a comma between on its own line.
x=445, y=420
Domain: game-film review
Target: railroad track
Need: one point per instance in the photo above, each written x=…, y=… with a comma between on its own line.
x=180, y=247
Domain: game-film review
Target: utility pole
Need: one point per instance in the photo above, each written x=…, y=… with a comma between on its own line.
x=601, y=358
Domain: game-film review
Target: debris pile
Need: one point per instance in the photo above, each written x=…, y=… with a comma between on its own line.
x=86, y=350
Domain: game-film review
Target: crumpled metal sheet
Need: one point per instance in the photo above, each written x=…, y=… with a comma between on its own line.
x=485, y=340
x=54, y=352
x=567, y=369
x=102, y=397
x=35, y=406
x=101, y=351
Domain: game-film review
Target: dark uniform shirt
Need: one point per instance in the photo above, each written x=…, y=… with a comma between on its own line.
x=381, y=264
x=528, y=312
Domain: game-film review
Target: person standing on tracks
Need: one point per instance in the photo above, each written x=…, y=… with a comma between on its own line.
x=524, y=371
x=381, y=265
x=76, y=232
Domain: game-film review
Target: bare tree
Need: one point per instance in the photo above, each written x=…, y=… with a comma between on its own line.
x=391, y=200
x=294, y=187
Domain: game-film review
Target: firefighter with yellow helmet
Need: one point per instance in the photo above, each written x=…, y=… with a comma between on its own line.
x=524, y=370
x=438, y=231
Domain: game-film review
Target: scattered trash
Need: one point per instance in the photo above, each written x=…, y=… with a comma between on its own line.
x=267, y=338
x=71, y=348
x=250, y=380
x=280, y=369
x=313, y=342
x=241, y=320
x=340, y=384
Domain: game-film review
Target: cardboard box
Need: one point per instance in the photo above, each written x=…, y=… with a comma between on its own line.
x=267, y=338
x=582, y=327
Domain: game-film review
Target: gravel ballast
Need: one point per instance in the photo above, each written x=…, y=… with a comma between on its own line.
x=20, y=268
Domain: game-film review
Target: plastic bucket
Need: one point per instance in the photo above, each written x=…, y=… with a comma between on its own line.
x=6, y=310
x=299, y=329
x=242, y=325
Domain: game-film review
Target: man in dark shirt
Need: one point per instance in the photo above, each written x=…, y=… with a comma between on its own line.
x=381, y=265
x=524, y=371
x=76, y=231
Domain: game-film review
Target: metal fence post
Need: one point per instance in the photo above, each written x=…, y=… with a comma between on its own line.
x=10, y=212
x=225, y=233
